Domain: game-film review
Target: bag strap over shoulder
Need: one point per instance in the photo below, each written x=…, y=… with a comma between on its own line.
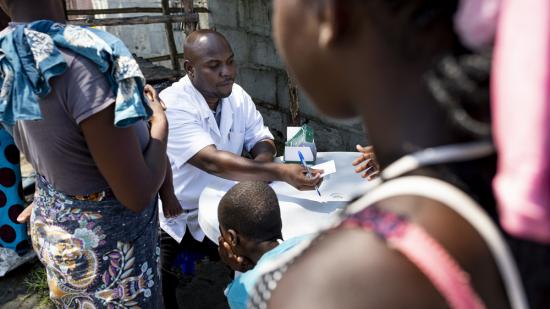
x=464, y=206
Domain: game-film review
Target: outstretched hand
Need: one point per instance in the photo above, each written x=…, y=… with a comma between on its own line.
x=366, y=163
x=296, y=176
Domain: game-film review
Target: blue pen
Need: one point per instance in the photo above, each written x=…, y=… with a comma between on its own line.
x=301, y=156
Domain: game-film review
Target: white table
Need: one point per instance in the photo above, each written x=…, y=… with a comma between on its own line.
x=302, y=212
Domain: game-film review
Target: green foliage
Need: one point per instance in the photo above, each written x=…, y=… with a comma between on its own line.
x=37, y=283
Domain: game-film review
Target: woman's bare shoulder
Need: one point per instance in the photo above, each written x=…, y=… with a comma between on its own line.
x=351, y=268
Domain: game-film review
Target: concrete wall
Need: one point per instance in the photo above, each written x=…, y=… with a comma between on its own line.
x=247, y=26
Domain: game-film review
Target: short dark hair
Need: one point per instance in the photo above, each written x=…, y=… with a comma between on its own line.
x=251, y=208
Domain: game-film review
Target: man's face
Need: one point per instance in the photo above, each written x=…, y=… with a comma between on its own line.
x=213, y=73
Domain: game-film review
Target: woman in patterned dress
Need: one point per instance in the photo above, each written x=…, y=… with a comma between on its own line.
x=94, y=222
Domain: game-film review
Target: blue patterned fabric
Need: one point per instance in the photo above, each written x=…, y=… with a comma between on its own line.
x=12, y=234
x=29, y=58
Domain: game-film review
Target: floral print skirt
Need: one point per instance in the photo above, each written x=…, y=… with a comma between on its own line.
x=97, y=253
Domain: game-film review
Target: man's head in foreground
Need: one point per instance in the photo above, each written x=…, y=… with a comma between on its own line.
x=209, y=63
x=250, y=223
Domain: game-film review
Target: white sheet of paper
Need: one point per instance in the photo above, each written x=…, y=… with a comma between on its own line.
x=328, y=168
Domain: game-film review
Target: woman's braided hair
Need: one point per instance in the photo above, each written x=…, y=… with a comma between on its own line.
x=461, y=84
x=460, y=79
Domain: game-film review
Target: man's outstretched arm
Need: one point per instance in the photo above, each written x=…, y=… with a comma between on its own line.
x=231, y=166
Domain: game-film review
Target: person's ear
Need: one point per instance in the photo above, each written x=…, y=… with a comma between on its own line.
x=233, y=238
x=189, y=69
x=334, y=22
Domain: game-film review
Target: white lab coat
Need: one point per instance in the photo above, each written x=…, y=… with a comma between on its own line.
x=192, y=127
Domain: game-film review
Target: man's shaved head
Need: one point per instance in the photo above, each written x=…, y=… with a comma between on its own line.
x=202, y=42
x=208, y=61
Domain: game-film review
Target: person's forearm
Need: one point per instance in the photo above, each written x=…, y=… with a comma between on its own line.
x=231, y=166
x=166, y=191
x=155, y=154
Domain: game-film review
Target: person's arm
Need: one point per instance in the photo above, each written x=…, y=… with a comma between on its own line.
x=264, y=151
x=231, y=166
x=170, y=205
x=134, y=177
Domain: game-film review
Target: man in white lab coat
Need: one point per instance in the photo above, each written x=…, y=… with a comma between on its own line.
x=211, y=120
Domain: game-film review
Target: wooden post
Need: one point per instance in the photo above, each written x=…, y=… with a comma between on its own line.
x=65, y=9
x=170, y=37
x=188, y=27
x=294, y=101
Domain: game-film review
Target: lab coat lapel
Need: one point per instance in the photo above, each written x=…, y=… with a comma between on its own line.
x=212, y=124
x=226, y=122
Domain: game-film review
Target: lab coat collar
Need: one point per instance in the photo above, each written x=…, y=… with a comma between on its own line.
x=227, y=112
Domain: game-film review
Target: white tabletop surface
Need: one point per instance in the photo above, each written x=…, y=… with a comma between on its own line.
x=302, y=212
